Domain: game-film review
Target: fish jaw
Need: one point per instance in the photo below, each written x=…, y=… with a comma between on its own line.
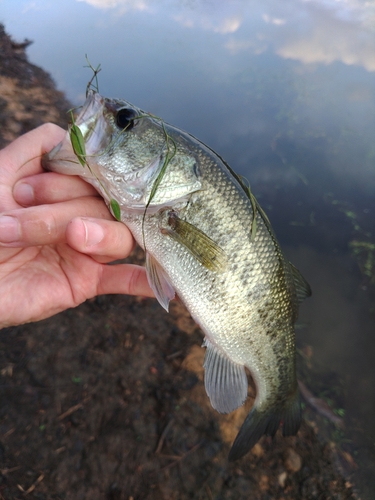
x=62, y=158
x=125, y=164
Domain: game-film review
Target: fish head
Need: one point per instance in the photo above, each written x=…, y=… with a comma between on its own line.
x=121, y=152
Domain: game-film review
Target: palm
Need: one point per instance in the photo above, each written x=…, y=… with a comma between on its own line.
x=37, y=282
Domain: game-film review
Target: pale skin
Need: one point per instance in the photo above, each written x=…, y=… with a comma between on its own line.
x=56, y=237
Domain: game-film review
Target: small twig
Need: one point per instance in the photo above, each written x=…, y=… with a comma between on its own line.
x=209, y=493
x=8, y=433
x=174, y=355
x=170, y=457
x=163, y=436
x=32, y=487
x=70, y=411
x=4, y=472
x=194, y=448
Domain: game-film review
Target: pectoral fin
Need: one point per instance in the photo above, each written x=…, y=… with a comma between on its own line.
x=159, y=282
x=225, y=381
x=201, y=246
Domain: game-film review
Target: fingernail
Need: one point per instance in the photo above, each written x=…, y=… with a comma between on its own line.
x=24, y=193
x=10, y=230
x=94, y=232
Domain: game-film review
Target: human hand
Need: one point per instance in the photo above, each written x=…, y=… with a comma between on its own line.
x=53, y=253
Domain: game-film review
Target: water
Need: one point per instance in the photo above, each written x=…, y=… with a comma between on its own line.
x=285, y=92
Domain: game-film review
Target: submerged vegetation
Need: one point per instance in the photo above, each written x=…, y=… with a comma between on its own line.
x=364, y=253
x=362, y=247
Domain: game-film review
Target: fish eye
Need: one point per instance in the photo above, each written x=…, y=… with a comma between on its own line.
x=125, y=118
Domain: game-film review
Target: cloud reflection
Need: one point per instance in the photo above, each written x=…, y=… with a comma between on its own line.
x=316, y=31
x=273, y=20
x=223, y=26
x=310, y=31
x=332, y=31
x=124, y=4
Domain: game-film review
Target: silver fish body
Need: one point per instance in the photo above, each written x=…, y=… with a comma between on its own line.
x=207, y=240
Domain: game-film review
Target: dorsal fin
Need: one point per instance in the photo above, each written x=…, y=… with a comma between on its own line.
x=303, y=289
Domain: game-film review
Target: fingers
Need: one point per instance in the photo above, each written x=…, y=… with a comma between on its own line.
x=93, y=233
x=23, y=156
x=107, y=241
x=46, y=224
x=124, y=278
x=50, y=188
x=102, y=239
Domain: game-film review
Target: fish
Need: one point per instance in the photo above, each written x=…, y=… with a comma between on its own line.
x=208, y=241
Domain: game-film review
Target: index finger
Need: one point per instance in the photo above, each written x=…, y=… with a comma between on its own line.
x=22, y=157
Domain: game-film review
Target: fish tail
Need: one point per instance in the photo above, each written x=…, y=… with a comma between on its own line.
x=266, y=421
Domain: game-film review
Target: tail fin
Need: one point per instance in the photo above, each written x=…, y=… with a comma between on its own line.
x=259, y=422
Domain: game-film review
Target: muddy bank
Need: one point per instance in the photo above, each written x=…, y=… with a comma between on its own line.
x=106, y=401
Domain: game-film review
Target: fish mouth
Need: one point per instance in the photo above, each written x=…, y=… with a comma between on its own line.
x=95, y=122
x=87, y=119
x=62, y=158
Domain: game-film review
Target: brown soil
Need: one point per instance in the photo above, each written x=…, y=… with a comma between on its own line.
x=106, y=401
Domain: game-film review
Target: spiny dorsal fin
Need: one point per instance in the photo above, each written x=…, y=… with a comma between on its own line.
x=225, y=381
x=303, y=289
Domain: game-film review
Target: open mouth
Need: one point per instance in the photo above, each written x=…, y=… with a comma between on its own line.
x=88, y=117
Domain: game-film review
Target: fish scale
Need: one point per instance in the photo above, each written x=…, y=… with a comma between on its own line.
x=197, y=230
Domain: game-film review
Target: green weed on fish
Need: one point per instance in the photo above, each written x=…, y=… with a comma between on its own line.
x=76, y=136
x=246, y=186
x=168, y=157
x=94, y=77
x=78, y=144
x=257, y=209
x=171, y=151
x=115, y=209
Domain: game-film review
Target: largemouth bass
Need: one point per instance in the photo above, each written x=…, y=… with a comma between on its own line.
x=207, y=240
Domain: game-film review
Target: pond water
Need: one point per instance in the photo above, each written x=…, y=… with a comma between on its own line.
x=285, y=92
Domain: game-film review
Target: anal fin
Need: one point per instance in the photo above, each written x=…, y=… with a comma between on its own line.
x=225, y=381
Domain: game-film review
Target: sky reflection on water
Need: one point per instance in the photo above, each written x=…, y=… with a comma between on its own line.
x=285, y=92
